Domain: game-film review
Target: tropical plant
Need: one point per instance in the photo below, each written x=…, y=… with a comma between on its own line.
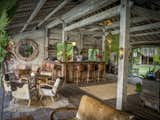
x=92, y=54
x=150, y=74
x=7, y=10
x=156, y=59
x=138, y=87
x=3, y=36
x=64, y=51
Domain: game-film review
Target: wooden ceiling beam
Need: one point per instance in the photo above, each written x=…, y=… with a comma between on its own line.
x=53, y=12
x=35, y=12
x=148, y=13
x=95, y=18
x=21, y=24
x=146, y=42
x=81, y=10
x=141, y=27
x=116, y=24
x=145, y=34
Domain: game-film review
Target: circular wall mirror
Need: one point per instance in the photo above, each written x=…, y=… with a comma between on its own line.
x=27, y=49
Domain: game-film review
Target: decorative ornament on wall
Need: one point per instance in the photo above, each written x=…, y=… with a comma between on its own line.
x=27, y=50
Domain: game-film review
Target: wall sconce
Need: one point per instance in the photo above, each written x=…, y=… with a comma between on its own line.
x=74, y=43
x=32, y=74
x=121, y=53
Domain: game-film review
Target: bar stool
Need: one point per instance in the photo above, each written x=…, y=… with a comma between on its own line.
x=72, y=72
x=90, y=72
x=58, y=71
x=101, y=71
x=79, y=72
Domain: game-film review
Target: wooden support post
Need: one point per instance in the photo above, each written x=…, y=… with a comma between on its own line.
x=123, y=58
x=63, y=32
x=46, y=43
x=103, y=41
x=81, y=41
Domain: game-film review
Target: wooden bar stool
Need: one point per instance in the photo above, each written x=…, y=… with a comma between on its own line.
x=58, y=70
x=101, y=71
x=90, y=72
x=72, y=70
x=79, y=72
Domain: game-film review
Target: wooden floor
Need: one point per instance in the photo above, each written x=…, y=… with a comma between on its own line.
x=133, y=103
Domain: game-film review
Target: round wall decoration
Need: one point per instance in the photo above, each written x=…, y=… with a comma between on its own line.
x=26, y=50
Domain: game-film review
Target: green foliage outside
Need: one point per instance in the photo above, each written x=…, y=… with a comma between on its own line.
x=64, y=51
x=136, y=60
x=3, y=36
x=156, y=59
x=143, y=69
x=138, y=87
x=92, y=54
x=114, y=47
x=7, y=10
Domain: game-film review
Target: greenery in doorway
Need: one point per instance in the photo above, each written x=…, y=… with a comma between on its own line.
x=138, y=87
x=156, y=59
x=136, y=55
x=114, y=47
x=64, y=51
x=92, y=54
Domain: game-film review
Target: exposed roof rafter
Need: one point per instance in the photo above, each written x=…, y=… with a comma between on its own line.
x=53, y=12
x=145, y=34
x=95, y=18
x=141, y=27
x=145, y=42
x=151, y=14
x=116, y=24
x=35, y=12
x=81, y=10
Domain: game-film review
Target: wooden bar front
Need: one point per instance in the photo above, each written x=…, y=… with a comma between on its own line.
x=79, y=72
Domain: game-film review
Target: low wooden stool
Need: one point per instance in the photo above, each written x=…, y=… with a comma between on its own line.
x=79, y=72
x=101, y=71
x=90, y=72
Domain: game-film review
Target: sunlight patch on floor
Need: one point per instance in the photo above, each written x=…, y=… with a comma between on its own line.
x=106, y=91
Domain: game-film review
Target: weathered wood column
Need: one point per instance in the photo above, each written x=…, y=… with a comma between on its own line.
x=64, y=65
x=81, y=41
x=63, y=32
x=46, y=43
x=103, y=42
x=123, y=57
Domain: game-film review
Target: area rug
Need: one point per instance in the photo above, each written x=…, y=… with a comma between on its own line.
x=40, y=110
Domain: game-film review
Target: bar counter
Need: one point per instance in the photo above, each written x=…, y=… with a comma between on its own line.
x=85, y=71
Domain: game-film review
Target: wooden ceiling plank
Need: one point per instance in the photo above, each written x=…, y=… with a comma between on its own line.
x=95, y=18
x=146, y=13
x=116, y=24
x=81, y=10
x=35, y=12
x=145, y=34
x=53, y=12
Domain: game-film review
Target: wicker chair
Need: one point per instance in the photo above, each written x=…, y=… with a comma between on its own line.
x=21, y=89
x=49, y=90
